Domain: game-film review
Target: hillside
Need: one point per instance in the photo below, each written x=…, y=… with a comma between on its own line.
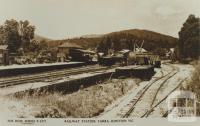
x=150, y=36
x=84, y=42
x=123, y=39
x=41, y=38
x=152, y=40
x=92, y=36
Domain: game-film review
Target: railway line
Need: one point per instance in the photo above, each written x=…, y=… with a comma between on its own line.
x=160, y=81
x=50, y=76
x=158, y=103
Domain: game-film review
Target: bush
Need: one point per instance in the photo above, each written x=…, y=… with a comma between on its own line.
x=194, y=84
x=85, y=103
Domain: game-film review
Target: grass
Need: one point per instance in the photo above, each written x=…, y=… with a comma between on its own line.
x=85, y=103
x=194, y=84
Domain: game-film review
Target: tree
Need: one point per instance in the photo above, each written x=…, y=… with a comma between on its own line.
x=26, y=32
x=189, y=38
x=2, y=42
x=11, y=35
x=16, y=34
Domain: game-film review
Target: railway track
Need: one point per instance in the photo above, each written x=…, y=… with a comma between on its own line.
x=163, y=99
x=140, y=94
x=160, y=86
x=50, y=76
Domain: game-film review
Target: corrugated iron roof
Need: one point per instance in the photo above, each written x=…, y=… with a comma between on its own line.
x=86, y=51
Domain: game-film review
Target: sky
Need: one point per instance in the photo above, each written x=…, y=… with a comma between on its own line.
x=61, y=19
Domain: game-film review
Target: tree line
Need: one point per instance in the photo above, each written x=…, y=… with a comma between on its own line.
x=17, y=35
x=187, y=47
x=152, y=42
x=22, y=45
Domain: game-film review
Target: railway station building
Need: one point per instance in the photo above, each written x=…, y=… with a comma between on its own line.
x=63, y=51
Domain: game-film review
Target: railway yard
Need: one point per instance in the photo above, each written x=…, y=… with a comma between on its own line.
x=149, y=99
x=111, y=93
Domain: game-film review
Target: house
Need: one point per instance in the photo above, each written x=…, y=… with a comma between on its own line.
x=4, y=55
x=63, y=50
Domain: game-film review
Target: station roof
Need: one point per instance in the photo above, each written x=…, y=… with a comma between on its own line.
x=85, y=51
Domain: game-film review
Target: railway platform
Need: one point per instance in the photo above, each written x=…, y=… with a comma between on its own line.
x=65, y=84
x=14, y=70
x=69, y=81
x=144, y=72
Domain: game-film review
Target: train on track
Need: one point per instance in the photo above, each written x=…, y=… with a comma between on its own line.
x=81, y=55
x=123, y=58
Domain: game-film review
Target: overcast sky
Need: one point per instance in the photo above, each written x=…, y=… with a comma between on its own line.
x=58, y=19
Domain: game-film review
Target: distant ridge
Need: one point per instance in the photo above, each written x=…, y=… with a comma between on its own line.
x=92, y=36
x=41, y=38
x=152, y=39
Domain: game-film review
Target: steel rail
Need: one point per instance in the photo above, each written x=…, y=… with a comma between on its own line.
x=128, y=113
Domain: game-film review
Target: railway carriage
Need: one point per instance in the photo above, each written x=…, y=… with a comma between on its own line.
x=81, y=55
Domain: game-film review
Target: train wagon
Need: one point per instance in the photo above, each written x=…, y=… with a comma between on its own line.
x=81, y=55
x=111, y=60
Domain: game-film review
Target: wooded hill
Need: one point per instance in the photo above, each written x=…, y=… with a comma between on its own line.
x=123, y=39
